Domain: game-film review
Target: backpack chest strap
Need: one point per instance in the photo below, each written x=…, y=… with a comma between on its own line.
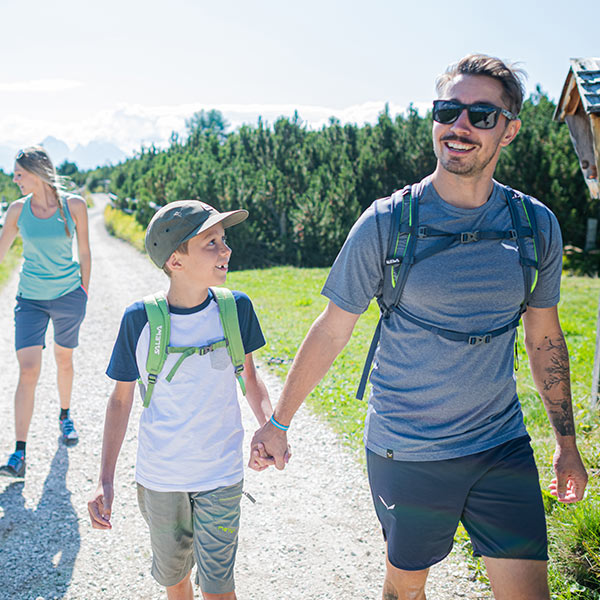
x=187, y=351
x=473, y=339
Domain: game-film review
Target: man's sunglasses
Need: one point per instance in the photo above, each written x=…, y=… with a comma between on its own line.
x=481, y=115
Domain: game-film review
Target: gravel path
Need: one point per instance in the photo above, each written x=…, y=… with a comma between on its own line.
x=312, y=533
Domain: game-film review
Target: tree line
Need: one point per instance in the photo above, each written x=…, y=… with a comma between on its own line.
x=304, y=189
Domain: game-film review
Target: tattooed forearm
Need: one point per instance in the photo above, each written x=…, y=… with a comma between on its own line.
x=557, y=371
x=555, y=382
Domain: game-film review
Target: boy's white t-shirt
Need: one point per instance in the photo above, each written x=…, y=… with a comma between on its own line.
x=190, y=437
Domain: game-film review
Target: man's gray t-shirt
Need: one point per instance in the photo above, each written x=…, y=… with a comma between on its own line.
x=434, y=398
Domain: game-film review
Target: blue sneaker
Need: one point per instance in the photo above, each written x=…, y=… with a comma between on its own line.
x=67, y=428
x=15, y=467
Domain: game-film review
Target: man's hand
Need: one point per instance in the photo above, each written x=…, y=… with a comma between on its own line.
x=571, y=478
x=269, y=446
x=99, y=506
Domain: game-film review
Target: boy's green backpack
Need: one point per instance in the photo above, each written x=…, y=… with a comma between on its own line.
x=157, y=309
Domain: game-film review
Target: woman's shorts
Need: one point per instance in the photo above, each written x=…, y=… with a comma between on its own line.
x=188, y=527
x=32, y=318
x=495, y=494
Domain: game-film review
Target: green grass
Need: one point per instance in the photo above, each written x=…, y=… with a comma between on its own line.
x=11, y=260
x=125, y=227
x=287, y=301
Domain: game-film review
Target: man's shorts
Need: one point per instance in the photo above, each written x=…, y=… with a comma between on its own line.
x=188, y=527
x=495, y=494
x=32, y=318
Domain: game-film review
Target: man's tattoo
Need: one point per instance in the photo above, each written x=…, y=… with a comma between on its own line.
x=389, y=591
x=558, y=380
x=558, y=370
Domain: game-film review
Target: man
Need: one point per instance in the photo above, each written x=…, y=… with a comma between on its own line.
x=444, y=431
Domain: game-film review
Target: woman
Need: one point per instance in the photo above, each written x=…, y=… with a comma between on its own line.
x=52, y=285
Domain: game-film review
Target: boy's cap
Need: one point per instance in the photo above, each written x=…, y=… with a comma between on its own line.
x=180, y=221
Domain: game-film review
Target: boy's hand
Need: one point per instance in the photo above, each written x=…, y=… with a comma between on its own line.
x=99, y=506
x=259, y=459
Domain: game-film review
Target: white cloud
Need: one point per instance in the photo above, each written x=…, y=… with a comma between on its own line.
x=40, y=85
x=131, y=126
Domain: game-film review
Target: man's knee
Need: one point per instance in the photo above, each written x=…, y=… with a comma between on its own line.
x=404, y=585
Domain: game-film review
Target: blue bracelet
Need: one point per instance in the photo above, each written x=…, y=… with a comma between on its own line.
x=278, y=425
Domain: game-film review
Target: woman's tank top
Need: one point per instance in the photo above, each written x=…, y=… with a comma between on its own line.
x=49, y=270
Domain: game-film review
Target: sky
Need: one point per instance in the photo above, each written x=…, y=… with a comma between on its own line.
x=130, y=72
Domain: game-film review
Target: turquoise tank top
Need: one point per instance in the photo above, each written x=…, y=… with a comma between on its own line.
x=49, y=270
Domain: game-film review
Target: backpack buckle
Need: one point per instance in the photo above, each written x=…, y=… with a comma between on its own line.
x=513, y=234
x=152, y=377
x=469, y=236
x=475, y=340
x=422, y=232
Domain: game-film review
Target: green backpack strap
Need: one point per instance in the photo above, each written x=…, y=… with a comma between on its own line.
x=231, y=328
x=157, y=310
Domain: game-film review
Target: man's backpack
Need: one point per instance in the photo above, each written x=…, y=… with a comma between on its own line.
x=401, y=255
x=157, y=310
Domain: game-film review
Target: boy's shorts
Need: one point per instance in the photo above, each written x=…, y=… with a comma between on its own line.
x=32, y=318
x=495, y=494
x=188, y=527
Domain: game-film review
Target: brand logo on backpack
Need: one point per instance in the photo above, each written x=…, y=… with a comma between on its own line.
x=157, y=339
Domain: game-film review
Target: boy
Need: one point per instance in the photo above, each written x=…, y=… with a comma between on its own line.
x=189, y=464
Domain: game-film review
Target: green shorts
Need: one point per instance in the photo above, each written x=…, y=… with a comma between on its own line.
x=193, y=527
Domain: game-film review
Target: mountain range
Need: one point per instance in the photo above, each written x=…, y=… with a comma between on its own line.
x=88, y=156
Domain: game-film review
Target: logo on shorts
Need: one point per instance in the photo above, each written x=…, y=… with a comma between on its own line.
x=391, y=507
x=157, y=339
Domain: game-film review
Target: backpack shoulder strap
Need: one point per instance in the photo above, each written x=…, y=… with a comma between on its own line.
x=525, y=227
x=231, y=328
x=398, y=260
x=402, y=240
x=159, y=321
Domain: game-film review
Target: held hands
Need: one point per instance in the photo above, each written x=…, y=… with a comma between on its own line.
x=99, y=506
x=571, y=478
x=268, y=447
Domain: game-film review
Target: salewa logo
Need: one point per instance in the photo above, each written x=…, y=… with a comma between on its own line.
x=391, y=507
x=226, y=529
x=509, y=247
x=157, y=339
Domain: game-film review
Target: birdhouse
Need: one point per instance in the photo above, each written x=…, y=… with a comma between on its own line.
x=579, y=106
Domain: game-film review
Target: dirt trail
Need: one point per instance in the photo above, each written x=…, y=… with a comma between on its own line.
x=312, y=533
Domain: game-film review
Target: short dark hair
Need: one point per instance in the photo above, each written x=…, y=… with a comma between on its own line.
x=183, y=249
x=509, y=75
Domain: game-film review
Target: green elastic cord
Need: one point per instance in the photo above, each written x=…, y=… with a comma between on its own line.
x=535, y=254
x=149, y=389
x=516, y=349
x=398, y=237
x=238, y=374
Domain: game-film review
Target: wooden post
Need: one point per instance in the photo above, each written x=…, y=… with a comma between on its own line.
x=596, y=372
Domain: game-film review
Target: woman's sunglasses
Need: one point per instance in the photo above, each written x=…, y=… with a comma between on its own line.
x=481, y=115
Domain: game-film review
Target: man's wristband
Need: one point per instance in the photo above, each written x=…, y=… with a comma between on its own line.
x=276, y=423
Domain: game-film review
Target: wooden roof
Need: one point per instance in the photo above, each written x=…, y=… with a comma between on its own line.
x=582, y=85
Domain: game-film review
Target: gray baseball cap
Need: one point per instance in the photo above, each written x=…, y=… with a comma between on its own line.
x=180, y=221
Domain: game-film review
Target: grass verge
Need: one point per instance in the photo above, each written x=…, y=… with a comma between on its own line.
x=11, y=260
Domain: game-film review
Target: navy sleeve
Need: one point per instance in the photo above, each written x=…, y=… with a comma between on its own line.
x=123, y=365
x=252, y=335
